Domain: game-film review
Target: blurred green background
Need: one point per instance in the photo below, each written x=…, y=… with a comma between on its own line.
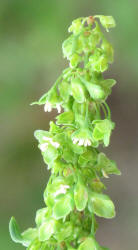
x=31, y=34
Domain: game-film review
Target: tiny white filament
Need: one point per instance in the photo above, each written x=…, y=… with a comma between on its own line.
x=48, y=107
x=58, y=106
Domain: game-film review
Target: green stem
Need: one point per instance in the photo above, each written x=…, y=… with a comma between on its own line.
x=104, y=110
x=108, y=110
x=92, y=226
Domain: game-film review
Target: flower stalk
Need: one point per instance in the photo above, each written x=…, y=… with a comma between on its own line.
x=74, y=194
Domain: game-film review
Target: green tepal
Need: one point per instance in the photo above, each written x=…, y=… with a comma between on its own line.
x=74, y=194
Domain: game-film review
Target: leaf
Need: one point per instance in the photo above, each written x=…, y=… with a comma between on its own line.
x=14, y=231
x=89, y=244
x=88, y=156
x=74, y=60
x=64, y=232
x=47, y=229
x=107, y=21
x=78, y=90
x=41, y=215
x=68, y=155
x=25, y=238
x=50, y=154
x=80, y=196
x=29, y=235
x=35, y=245
x=107, y=165
x=64, y=90
x=95, y=91
x=67, y=46
x=76, y=26
x=102, y=130
x=97, y=185
x=101, y=205
x=108, y=50
x=65, y=118
x=108, y=83
x=63, y=206
x=98, y=61
x=40, y=134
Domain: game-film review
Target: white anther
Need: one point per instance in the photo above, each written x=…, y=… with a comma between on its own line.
x=58, y=106
x=48, y=107
x=55, y=144
x=87, y=143
x=81, y=142
x=75, y=140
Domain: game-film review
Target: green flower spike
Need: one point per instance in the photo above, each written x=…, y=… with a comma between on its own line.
x=74, y=195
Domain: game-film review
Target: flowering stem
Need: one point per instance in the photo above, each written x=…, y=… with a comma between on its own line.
x=74, y=194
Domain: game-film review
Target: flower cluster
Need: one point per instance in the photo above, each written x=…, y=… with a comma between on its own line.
x=74, y=194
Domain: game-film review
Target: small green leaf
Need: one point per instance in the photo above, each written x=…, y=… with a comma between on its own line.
x=35, y=245
x=65, y=118
x=107, y=21
x=109, y=83
x=76, y=26
x=108, y=50
x=63, y=206
x=89, y=244
x=41, y=216
x=89, y=156
x=98, y=61
x=64, y=232
x=102, y=130
x=65, y=90
x=101, y=205
x=97, y=185
x=78, y=90
x=50, y=154
x=107, y=165
x=96, y=92
x=74, y=60
x=40, y=134
x=15, y=231
x=29, y=235
x=67, y=46
x=47, y=229
x=80, y=196
x=25, y=238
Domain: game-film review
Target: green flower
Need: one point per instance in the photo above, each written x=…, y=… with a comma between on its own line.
x=106, y=21
x=76, y=26
x=82, y=137
x=102, y=130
